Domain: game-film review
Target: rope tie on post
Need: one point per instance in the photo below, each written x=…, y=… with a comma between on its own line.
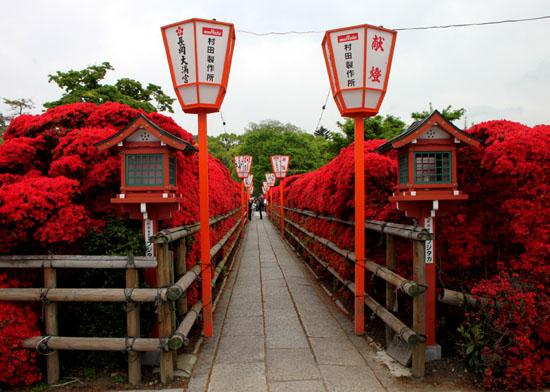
x=382, y=234
x=183, y=337
x=130, y=261
x=129, y=351
x=158, y=301
x=42, y=346
x=162, y=348
x=44, y=300
x=129, y=305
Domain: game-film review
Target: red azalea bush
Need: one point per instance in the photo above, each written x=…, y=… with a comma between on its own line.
x=55, y=188
x=495, y=245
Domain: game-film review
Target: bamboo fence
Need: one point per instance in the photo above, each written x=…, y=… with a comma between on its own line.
x=415, y=288
x=173, y=281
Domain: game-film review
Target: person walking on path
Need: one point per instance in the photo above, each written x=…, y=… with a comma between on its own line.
x=261, y=205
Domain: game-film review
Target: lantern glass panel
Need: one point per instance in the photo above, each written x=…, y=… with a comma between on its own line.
x=172, y=170
x=144, y=170
x=403, y=169
x=209, y=94
x=353, y=98
x=189, y=94
x=432, y=167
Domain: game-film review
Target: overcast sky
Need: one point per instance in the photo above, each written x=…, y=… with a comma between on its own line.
x=494, y=72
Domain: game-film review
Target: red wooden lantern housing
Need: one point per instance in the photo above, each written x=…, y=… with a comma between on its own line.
x=427, y=165
x=148, y=167
x=358, y=62
x=199, y=55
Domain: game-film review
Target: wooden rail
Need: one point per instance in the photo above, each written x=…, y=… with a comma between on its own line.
x=416, y=288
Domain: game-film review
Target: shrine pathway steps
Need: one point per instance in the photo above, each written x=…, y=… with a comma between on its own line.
x=276, y=330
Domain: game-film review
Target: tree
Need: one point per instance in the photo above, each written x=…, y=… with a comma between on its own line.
x=376, y=127
x=17, y=107
x=324, y=132
x=448, y=113
x=85, y=86
x=223, y=147
x=274, y=138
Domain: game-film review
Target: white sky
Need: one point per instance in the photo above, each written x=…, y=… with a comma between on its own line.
x=495, y=72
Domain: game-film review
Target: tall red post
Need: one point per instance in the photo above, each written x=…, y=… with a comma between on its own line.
x=204, y=220
x=271, y=205
x=242, y=208
x=282, y=210
x=359, y=225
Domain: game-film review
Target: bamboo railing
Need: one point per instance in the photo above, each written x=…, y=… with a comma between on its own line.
x=168, y=290
x=415, y=288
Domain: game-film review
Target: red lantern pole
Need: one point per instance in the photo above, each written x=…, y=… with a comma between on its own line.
x=271, y=204
x=282, y=210
x=359, y=225
x=242, y=208
x=205, y=227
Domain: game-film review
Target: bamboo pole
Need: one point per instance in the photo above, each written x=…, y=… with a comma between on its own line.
x=71, y=261
x=180, y=270
x=216, y=248
x=94, y=344
x=409, y=335
x=132, y=322
x=408, y=287
x=221, y=264
x=164, y=315
x=391, y=295
x=396, y=229
x=451, y=297
x=419, y=308
x=189, y=277
x=90, y=295
x=51, y=327
x=178, y=338
x=176, y=233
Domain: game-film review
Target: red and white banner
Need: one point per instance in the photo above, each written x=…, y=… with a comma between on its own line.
x=280, y=165
x=243, y=163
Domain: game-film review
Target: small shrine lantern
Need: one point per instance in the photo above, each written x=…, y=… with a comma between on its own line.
x=148, y=188
x=427, y=168
x=427, y=187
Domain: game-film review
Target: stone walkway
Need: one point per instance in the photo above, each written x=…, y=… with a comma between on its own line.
x=276, y=330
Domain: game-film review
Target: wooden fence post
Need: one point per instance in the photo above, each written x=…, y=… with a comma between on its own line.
x=132, y=322
x=164, y=314
x=391, y=295
x=419, y=307
x=180, y=270
x=51, y=326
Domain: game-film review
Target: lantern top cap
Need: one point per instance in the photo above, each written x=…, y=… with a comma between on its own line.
x=213, y=21
x=141, y=121
x=419, y=127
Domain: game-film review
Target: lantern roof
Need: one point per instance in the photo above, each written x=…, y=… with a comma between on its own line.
x=418, y=128
x=141, y=122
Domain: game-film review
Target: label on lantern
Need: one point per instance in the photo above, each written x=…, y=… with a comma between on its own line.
x=270, y=177
x=348, y=48
x=243, y=164
x=428, y=225
x=280, y=165
x=149, y=247
x=211, y=51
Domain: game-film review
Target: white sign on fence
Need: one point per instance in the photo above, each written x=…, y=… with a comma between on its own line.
x=428, y=225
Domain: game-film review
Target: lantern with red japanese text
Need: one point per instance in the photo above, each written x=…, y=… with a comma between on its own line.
x=279, y=163
x=427, y=188
x=199, y=56
x=243, y=164
x=270, y=177
x=358, y=61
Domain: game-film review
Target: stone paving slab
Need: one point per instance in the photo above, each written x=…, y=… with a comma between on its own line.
x=291, y=364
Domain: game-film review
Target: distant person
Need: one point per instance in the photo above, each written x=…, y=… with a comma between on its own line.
x=250, y=207
x=261, y=205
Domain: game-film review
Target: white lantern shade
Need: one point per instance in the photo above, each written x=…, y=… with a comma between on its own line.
x=358, y=61
x=243, y=163
x=199, y=56
x=279, y=164
x=249, y=180
x=270, y=177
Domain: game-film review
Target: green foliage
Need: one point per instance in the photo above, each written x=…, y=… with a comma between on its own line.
x=376, y=127
x=474, y=341
x=224, y=147
x=448, y=113
x=270, y=137
x=85, y=86
x=17, y=108
x=119, y=237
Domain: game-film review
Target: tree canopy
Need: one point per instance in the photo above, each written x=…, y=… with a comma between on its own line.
x=17, y=108
x=448, y=113
x=85, y=86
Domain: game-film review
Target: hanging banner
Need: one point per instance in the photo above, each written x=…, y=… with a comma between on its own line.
x=270, y=177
